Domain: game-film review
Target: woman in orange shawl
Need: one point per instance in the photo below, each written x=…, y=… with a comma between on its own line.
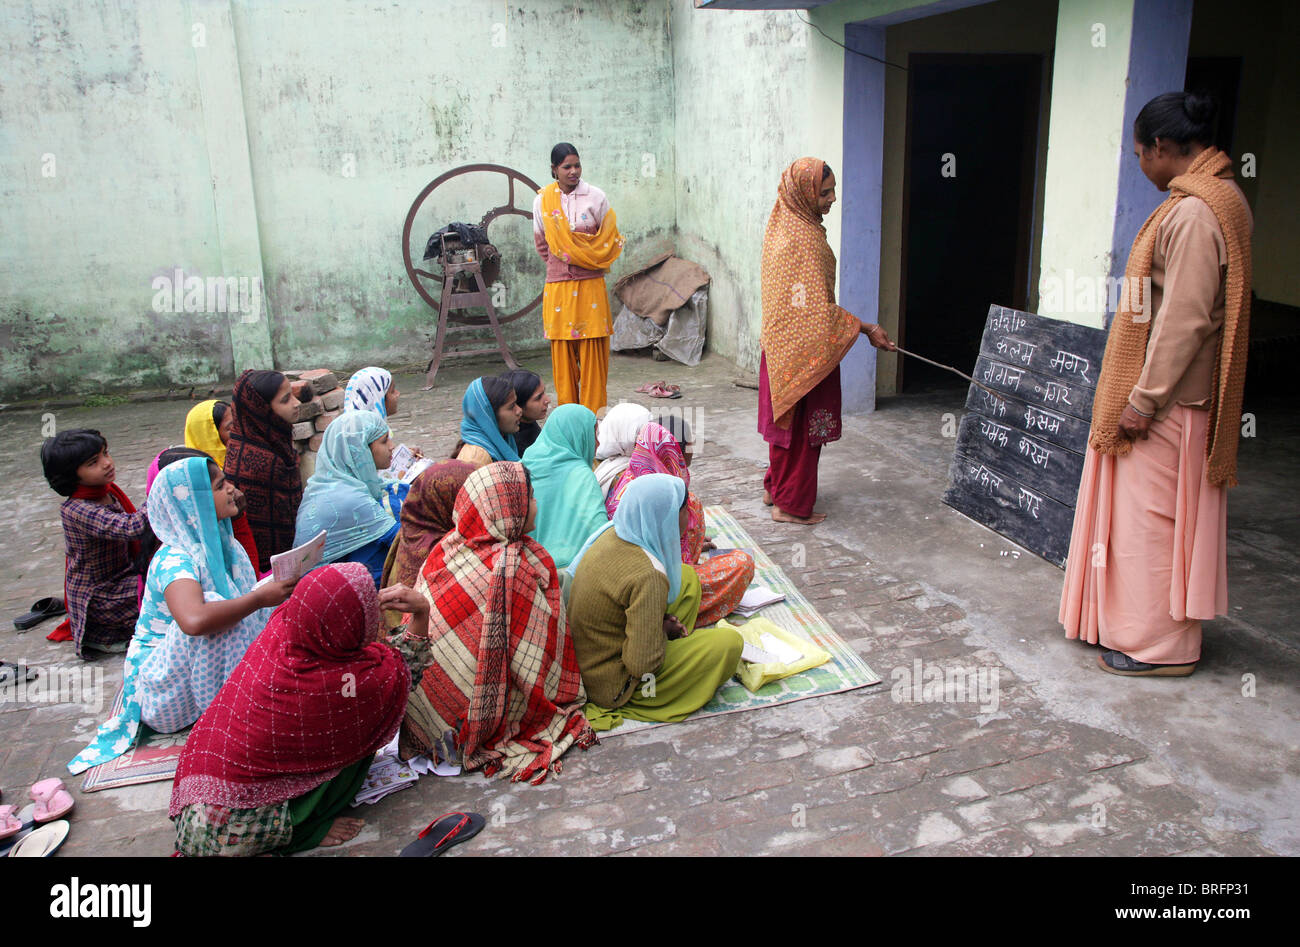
x=576, y=234
x=805, y=335
x=1148, y=554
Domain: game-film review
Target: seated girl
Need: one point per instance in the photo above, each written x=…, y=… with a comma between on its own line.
x=101, y=534
x=618, y=432
x=346, y=496
x=199, y=613
x=371, y=389
x=503, y=677
x=530, y=395
x=632, y=613
x=426, y=518
x=723, y=576
x=238, y=523
x=490, y=415
x=208, y=427
x=569, y=505
x=280, y=754
x=262, y=463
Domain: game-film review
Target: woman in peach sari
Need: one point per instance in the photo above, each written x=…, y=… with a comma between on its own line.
x=576, y=234
x=1148, y=555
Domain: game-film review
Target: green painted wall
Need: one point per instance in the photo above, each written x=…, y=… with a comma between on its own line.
x=350, y=110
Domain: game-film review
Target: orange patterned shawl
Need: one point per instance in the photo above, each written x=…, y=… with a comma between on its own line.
x=805, y=334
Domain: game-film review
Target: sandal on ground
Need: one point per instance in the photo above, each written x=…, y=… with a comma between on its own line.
x=444, y=832
x=45, y=608
x=53, y=801
x=660, y=389
x=10, y=824
x=43, y=842
x=1117, y=662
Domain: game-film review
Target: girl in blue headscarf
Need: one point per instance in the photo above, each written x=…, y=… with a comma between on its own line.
x=490, y=419
x=569, y=503
x=347, y=498
x=201, y=610
x=632, y=610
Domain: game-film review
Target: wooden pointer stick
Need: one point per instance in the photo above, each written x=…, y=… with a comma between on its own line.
x=947, y=368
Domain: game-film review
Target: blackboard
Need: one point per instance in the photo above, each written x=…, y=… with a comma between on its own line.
x=1019, y=453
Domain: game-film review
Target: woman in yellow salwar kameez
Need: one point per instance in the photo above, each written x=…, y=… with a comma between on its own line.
x=577, y=236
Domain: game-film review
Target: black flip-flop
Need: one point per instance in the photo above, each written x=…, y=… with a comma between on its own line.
x=444, y=832
x=45, y=608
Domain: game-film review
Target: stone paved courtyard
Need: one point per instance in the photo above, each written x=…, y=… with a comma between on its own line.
x=1070, y=761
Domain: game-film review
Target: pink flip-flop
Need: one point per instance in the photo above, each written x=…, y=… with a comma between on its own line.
x=53, y=801
x=10, y=824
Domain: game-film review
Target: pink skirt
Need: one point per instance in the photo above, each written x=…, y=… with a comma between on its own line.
x=1148, y=555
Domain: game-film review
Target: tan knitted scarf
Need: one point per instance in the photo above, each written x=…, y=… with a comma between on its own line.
x=1126, y=347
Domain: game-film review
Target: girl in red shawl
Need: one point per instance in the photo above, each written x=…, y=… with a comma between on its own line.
x=288, y=741
x=505, y=680
x=805, y=336
x=723, y=576
x=261, y=461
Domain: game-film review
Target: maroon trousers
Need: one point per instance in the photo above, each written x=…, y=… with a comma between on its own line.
x=793, y=453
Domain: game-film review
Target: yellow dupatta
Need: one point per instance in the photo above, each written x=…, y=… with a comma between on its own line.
x=201, y=432
x=591, y=251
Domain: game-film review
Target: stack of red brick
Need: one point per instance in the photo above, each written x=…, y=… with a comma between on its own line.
x=320, y=401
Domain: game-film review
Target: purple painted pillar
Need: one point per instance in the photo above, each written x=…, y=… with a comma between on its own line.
x=1157, y=63
x=860, y=199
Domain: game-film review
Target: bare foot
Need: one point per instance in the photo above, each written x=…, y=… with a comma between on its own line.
x=343, y=830
x=781, y=516
x=767, y=498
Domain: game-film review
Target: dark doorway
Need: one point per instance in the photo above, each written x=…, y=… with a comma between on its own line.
x=972, y=130
x=1220, y=76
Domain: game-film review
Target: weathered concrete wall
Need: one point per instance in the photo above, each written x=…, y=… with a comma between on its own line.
x=350, y=111
x=744, y=111
x=104, y=185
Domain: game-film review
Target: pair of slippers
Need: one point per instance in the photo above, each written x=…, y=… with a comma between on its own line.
x=36, y=841
x=660, y=389
x=51, y=801
x=444, y=832
x=43, y=609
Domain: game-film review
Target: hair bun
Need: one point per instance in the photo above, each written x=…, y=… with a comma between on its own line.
x=1199, y=107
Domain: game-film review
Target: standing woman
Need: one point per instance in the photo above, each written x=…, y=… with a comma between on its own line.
x=261, y=461
x=1148, y=555
x=577, y=236
x=805, y=335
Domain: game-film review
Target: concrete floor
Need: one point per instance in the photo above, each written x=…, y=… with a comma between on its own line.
x=1073, y=761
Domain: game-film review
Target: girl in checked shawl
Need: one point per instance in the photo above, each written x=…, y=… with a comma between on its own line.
x=280, y=754
x=504, y=679
x=805, y=337
x=723, y=576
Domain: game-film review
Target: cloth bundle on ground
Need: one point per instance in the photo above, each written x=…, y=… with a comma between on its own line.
x=261, y=461
x=569, y=504
x=504, y=677
x=284, y=726
x=664, y=284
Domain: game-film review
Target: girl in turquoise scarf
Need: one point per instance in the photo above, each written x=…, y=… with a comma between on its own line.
x=569, y=503
x=347, y=498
